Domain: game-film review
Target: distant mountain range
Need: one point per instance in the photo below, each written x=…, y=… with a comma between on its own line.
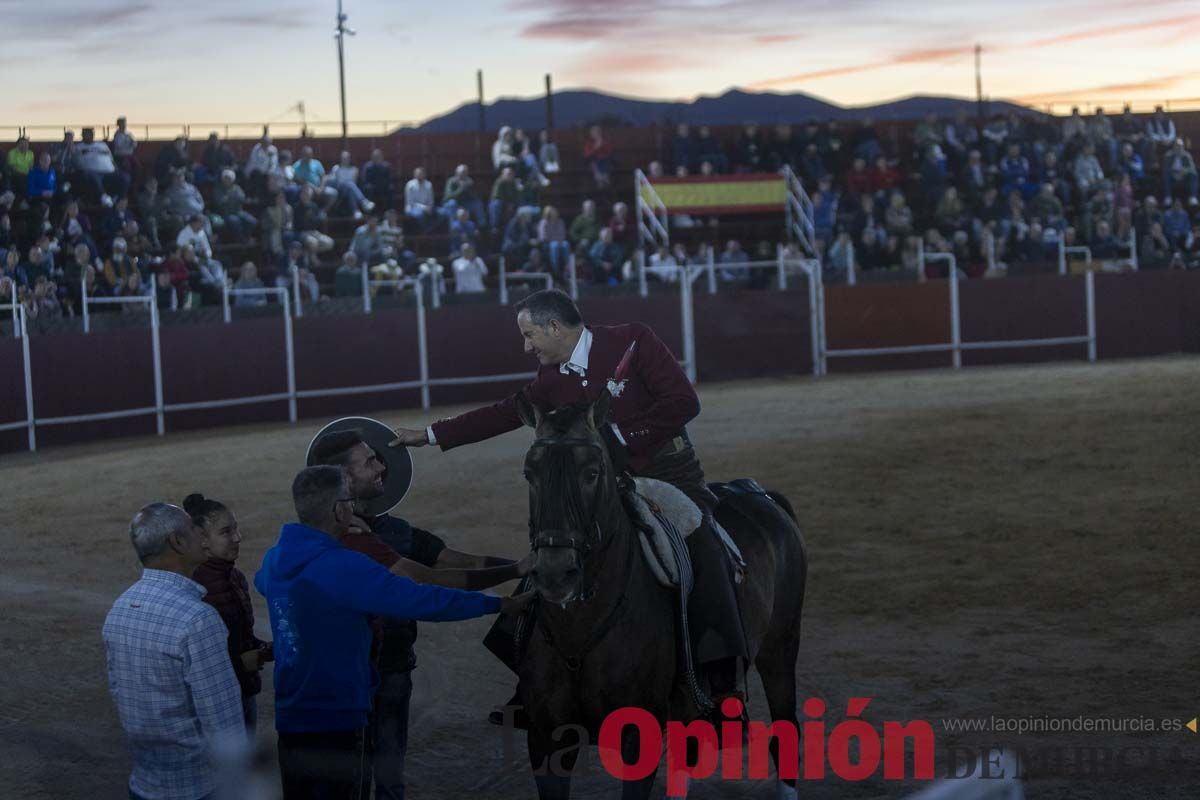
x=575, y=108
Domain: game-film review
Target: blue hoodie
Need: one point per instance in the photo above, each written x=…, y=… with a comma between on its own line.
x=320, y=596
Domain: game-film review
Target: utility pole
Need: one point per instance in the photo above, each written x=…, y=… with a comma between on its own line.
x=978, y=84
x=340, y=33
x=479, y=89
x=549, y=105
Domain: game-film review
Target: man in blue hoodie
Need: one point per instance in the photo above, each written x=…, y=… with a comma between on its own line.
x=321, y=596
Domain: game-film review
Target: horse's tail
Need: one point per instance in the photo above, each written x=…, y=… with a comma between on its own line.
x=785, y=504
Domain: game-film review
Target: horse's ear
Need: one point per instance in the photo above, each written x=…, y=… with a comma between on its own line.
x=599, y=410
x=530, y=414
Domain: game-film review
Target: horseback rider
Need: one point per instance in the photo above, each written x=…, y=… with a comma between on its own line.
x=652, y=401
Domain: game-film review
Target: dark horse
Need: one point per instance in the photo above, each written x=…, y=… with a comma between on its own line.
x=605, y=631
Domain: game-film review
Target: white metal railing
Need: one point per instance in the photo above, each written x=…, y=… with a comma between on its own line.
x=956, y=346
x=572, y=277
x=520, y=277
x=1075, y=250
x=798, y=209
x=652, y=220
x=21, y=332
x=298, y=306
x=1133, y=249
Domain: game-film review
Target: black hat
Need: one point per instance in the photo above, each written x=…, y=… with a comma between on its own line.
x=397, y=478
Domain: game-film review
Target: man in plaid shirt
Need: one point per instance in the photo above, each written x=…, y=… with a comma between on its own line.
x=168, y=664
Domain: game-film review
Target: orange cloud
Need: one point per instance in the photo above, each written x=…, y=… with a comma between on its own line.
x=908, y=57
x=1115, y=30
x=1147, y=85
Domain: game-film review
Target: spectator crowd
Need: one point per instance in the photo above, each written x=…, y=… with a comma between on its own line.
x=1006, y=190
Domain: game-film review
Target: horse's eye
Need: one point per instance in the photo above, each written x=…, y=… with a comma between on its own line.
x=528, y=476
x=591, y=475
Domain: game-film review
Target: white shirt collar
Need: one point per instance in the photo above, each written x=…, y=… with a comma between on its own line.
x=578, y=362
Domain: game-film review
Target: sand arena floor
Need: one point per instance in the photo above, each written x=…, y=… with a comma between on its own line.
x=995, y=542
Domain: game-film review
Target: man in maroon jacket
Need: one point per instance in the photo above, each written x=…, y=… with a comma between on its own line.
x=652, y=401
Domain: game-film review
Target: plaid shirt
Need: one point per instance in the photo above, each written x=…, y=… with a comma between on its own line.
x=170, y=676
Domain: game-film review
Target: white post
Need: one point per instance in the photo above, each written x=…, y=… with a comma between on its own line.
x=710, y=266
x=851, y=278
x=435, y=292
x=225, y=301
x=820, y=279
x=503, y=282
x=689, y=327
x=83, y=294
x=158, y=384
x=290, y=355
x=296, y=292
x=781, y=267
x=812, y=321
x=572, y=282
x=29, y=419
x=423, y=345
x=366, y=289
x=1089, y=289
x=643, y=290
x=1062, y=255
x=1133, y=253
x=955, y=331
x=991, y=250
x=13, y=307
x=920, y=259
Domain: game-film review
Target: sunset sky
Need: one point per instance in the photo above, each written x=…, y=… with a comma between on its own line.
x=77, y=61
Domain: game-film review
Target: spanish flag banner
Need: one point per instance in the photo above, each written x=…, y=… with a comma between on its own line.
x=720, y=194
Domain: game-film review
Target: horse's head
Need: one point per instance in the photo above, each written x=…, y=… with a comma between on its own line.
x=572, y=486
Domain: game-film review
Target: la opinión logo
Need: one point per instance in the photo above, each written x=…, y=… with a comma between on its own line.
x=820, y=750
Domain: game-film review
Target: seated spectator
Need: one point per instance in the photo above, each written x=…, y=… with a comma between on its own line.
x=898, y=219
x=75, y=228
x=825, y=208
x=73, y=272
x=1104, y=245
x=309, y=171
x=283, y=177
x=37, y=265
x=529, y=197
x=1131, y=163
x=263, y=160
x=812, y=166
x=1014, y=172
x=1179, y=174
x=418, y=201
x=1046, y=208
x=519, y=238
x=548, y=153
x=841, y=255
x=367, y=244
x=779, y=152
x=462, y=231
x=504, y=152
x=585, y=228
x=995, y=138
x=1051, y=172
x=927, y=133
x=933, y=175
x=607, y=258
x=1154, y=251
x=1074, y=127
x=867, y=217
x=294, y=267
x=974, y=178
x=529, y=171
x=951, y=213
x=683, y=149
x=378, y=182
x=750, y=153
x=709, y=150
x=460, y=193
x=960, y=138
x=393, y=240
x=166, y=295
x=212, y=277
x=41, y=183
x=152, y=210
x=663, y=266
x=858, y=181
x=8, y=291
x=216, y=159
x=1100, y=134
x=552, y=236
x=308, y=218
x=344, y=177
x=347, y=281
x=171, y=160
x=868, y=252
x=8, y=269
x=228, y=203
x=116, y=219
x=1128, y=129
x=248, y=279
x=1123, y=203
x=17, y=165
x=623, y=229
x=178, y=275
x=193, y=234
x=41, y=302
x=1035, y=249
x=1160, y=131
x=278, y=225
x=1088, y=173
x=469, y=271
x=884, y=178
x=182, y=200
x=733, y=254
x=598, y=152
x=122, y=272
x=1176, y=225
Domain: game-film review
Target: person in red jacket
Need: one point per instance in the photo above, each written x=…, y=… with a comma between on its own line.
x=229, y=594
x=652, y=402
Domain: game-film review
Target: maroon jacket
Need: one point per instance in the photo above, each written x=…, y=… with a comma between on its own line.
x=229, y=594
x=650, y=406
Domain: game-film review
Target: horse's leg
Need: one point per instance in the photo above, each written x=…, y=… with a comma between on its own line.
x=630, y=751
x=552, y=762
x=776, y=664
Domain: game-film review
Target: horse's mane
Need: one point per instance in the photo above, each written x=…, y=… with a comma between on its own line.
x=562, y=419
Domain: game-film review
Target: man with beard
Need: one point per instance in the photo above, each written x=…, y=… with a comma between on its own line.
x=405, y=550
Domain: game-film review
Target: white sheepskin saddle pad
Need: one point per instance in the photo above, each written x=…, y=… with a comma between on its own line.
x=655, y=503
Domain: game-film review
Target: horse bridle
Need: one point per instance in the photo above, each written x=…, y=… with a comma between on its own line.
x=583, y=548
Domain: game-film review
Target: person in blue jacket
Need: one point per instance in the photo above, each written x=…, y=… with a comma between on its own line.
x=321, y=597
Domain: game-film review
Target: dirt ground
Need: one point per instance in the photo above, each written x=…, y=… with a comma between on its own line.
x=1005, y=542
